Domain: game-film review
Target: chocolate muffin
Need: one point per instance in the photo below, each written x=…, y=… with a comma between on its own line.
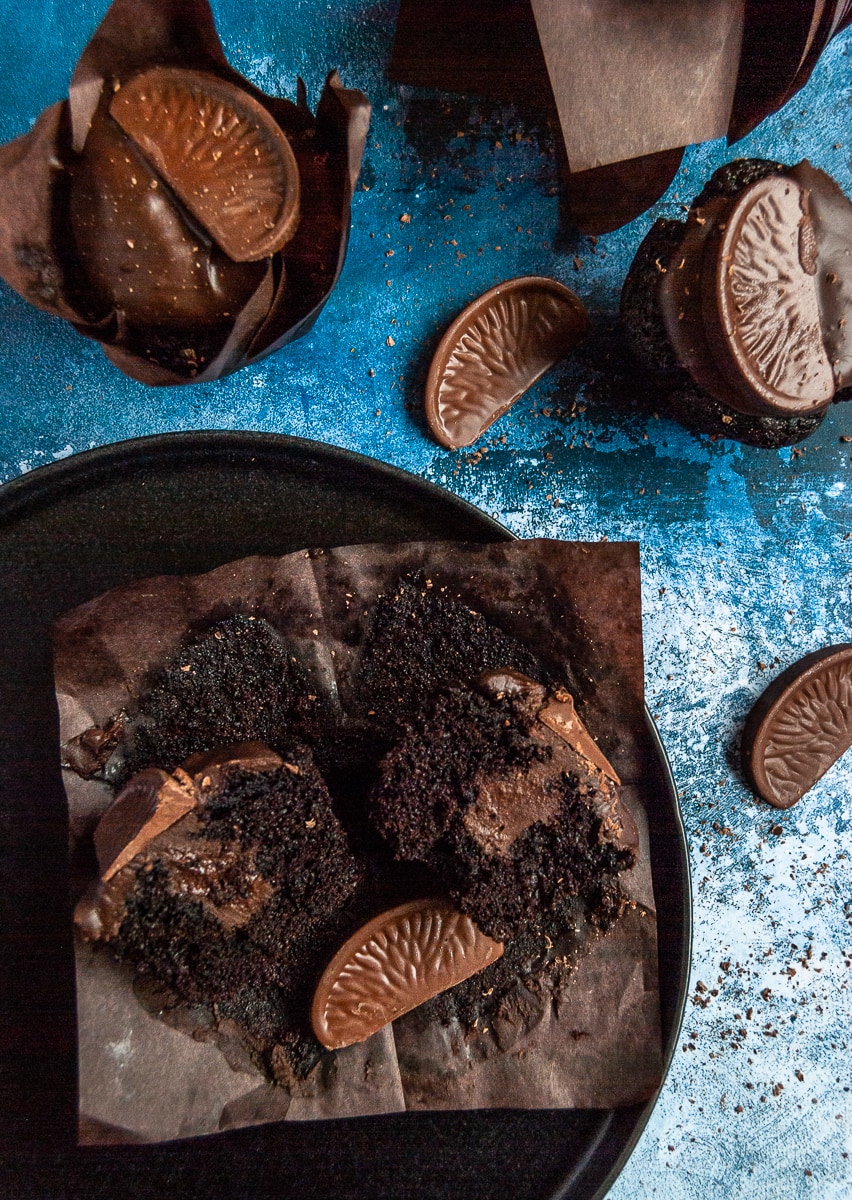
x=221, y=885
x=739, y=314
x=170, y=210
x=501, y=791
x=231, y=874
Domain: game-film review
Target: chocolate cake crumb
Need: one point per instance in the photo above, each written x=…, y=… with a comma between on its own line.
x=232, y=907
x=731, y=178
x=236, y=681
x=419, y=639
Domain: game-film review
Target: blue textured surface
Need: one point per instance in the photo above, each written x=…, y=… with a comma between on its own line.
x=747, y=554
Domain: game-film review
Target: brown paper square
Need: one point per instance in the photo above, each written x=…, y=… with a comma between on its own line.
x=596, y=1045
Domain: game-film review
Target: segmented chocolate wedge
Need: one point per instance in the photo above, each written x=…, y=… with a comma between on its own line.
x=495, y=350
x=146, y=806
x=800, y=726
x=393, y=963
x=220, y=151
x=766, y=300
x=152, y=800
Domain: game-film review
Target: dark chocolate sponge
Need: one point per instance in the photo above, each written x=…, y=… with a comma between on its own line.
x=430, y=805
x=698, y=403
x=419, y=640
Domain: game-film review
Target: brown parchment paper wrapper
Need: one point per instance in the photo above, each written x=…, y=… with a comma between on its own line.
x=578, y=607
x=633, y=79
x=35, y=238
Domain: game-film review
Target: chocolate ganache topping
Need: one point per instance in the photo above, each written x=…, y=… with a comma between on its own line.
x=506, y=806
x=155, y=817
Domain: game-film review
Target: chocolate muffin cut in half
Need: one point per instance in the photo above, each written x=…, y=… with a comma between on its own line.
x=419, y=639
x=501, y=791
x=416, y=639
x=236, y=681
x=222, y=885
x=740, y=313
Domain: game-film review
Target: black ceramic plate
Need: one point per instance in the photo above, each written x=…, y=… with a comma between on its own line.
x=185, y=503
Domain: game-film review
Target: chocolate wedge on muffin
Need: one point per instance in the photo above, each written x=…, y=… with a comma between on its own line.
x=742, y=314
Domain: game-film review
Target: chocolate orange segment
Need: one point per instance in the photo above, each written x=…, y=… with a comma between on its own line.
x=398, y=960
x=204, y=769
x=221, y=153
x=800, y=726
x=495, y=350
x=148, y=804
x=766, y=301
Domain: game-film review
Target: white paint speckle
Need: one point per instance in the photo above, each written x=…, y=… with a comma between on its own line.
x=122, y=1051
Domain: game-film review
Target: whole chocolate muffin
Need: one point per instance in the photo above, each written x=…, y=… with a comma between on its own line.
x=172, y=211
x=739, y=314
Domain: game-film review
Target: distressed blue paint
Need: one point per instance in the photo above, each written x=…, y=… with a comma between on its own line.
x=746, y=560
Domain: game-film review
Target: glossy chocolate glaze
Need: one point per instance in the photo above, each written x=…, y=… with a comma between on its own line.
x=145, y=807
x=831, y=213
x=141, y=254
x=155, y=816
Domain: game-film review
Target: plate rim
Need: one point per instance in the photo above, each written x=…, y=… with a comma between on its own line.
x=26, y=490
